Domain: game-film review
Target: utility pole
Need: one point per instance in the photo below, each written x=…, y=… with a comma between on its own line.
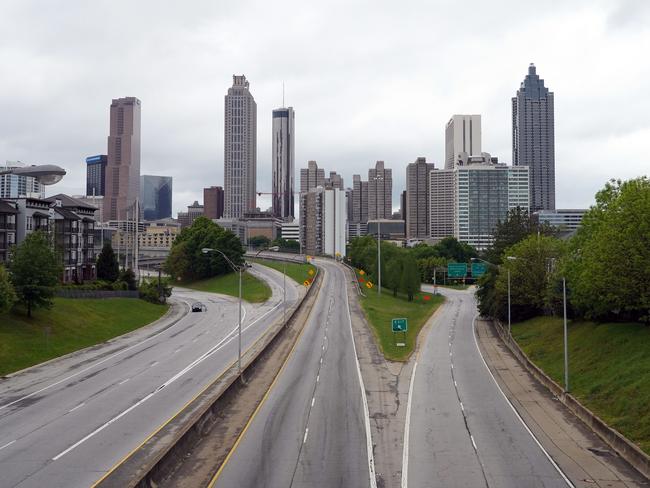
x=509, y=324
x=379, y=256
x=566, y=341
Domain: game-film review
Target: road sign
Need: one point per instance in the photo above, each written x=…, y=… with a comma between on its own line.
x=369, y=284
x=478, y=269
x=457, y=270
x=311, y=272
x=400, y=325
x=362, y=272
x=306, y=282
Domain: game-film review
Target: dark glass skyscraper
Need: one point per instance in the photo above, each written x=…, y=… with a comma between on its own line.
x=533, y=138
x=283, y=163
x=96, y=174
x=156, y=195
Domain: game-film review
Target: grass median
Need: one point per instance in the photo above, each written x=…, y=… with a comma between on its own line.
x=254, y=290
x=70, y=325
x=609, y=368
x=381, y=309
x=298, y=272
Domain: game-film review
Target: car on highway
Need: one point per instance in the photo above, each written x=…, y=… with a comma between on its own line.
x=198, y=307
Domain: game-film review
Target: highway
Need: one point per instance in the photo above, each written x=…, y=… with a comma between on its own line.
x=460, y=429
x=312, y=430
x=65, y=424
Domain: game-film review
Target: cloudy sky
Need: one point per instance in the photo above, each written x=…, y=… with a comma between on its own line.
x=368, y=79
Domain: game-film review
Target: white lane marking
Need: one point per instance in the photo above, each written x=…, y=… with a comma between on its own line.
x=189, y=367
x=321, y=360
x=462, y=408
x=123, y=381
x=405, y=452
x=548, y=456
x=153, y=364
x=371, y=459
x=455, y=384
x=75, y=408
x=195, y=339
x=7, y=445
x=473, y=443
x=317, y=378
x=89, y=367
x=304, y=439
x=313, y=399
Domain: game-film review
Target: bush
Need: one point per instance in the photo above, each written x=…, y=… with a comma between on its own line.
x=150, y=292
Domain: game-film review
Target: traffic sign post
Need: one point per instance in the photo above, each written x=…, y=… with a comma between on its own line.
x=478, y=269
x=399, y=326
x=456, y=270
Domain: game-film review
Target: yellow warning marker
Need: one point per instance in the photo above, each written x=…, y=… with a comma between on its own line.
x=362, y=272
x=306, y=282
x=369, y=284
x=311, y=272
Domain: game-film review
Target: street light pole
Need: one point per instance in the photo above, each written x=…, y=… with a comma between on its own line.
x=509, y=324
x=566, y=341
x=379, y=257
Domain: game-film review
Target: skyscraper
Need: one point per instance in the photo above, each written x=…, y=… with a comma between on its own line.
x=462, y=134
x=213, y=202
x=533, y=138
x=123, y=166
x=417, y=199
x=283, y=163
x=311, y=177
x=96, y=174
x=240, y=149
x=323, y=221
x=359, y=200
x=441, y=203
x=156, y=197
x=380, y=192
x=335, y=180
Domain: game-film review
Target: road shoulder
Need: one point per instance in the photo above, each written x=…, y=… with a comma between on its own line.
x=584, y=458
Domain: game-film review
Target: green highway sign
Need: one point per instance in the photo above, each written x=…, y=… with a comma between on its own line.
x=400, y=325
x=478, y=269
x=457, y=270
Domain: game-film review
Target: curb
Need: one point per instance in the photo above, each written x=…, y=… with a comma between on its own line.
x=625, y=448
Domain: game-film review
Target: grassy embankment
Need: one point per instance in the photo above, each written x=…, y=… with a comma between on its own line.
x=381, y=309
x=609, y=367
x=73, y=324
x=298, y=272
x=254, y=290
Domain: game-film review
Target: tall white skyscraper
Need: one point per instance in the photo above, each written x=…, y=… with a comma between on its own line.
x=462, y=134
x=380, y=192
x=283, y=163
x=240, y=149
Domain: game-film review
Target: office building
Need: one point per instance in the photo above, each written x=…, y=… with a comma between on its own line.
x=156, y=197
x=240, y=149
x=290, y=231
x=388, y=229
x=158, y=235
x=335, y=180
x=441, y=203
x=323, y=221
x=417, y=199
x=193, y=212
x=96, y=202
x=483, y=195
x=462, y=134
x=402, y=205
x=96, y=174
x=122, y=186
x=533, y=138
x=283, y=142
x=213, y=199
x=359, y=200
x=565, y=219
x=311, y=177
x=17, y=186
x=380, y=192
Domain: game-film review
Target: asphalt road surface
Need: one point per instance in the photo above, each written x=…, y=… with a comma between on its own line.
x=461, y=430
x=312, y=429
x=67, y=423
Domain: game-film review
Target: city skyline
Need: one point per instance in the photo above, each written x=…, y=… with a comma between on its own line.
x=344, y=127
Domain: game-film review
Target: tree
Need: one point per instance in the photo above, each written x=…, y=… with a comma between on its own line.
x=186, y=259
x=153, y=291
x=7, y=293
x=107, y=267
x=35, y=271
x=259, y=241
x=393, y=275
x=453, y=250
x=410, y=282
x=286, y=244
x=128, y=276
x=608, y=263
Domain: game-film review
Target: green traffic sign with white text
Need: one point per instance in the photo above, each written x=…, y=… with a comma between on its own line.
x=457, y=270
x=400, y=325
x=478, y=269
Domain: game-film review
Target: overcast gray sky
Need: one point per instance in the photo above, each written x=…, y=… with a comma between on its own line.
x=369, y=80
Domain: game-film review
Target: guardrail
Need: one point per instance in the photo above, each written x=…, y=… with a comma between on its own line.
x=157, y=456
x=614, y=439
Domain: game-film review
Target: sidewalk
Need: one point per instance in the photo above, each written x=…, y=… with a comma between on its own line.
x=584, y=458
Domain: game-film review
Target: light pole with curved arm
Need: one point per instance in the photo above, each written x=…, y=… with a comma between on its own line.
x=240, y=270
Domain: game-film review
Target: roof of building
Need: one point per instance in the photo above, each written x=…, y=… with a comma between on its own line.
x=68, y=201
x=67, y=214
x=6, y=207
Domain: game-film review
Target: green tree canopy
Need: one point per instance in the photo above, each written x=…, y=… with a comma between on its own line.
x=259, y=241
x=608, y=265
x=35, y=271
x=186, y=259
x=410, y=283
x=7, y=293
x=107, y=267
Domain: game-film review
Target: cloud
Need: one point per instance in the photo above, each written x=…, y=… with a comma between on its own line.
x=369, y=80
